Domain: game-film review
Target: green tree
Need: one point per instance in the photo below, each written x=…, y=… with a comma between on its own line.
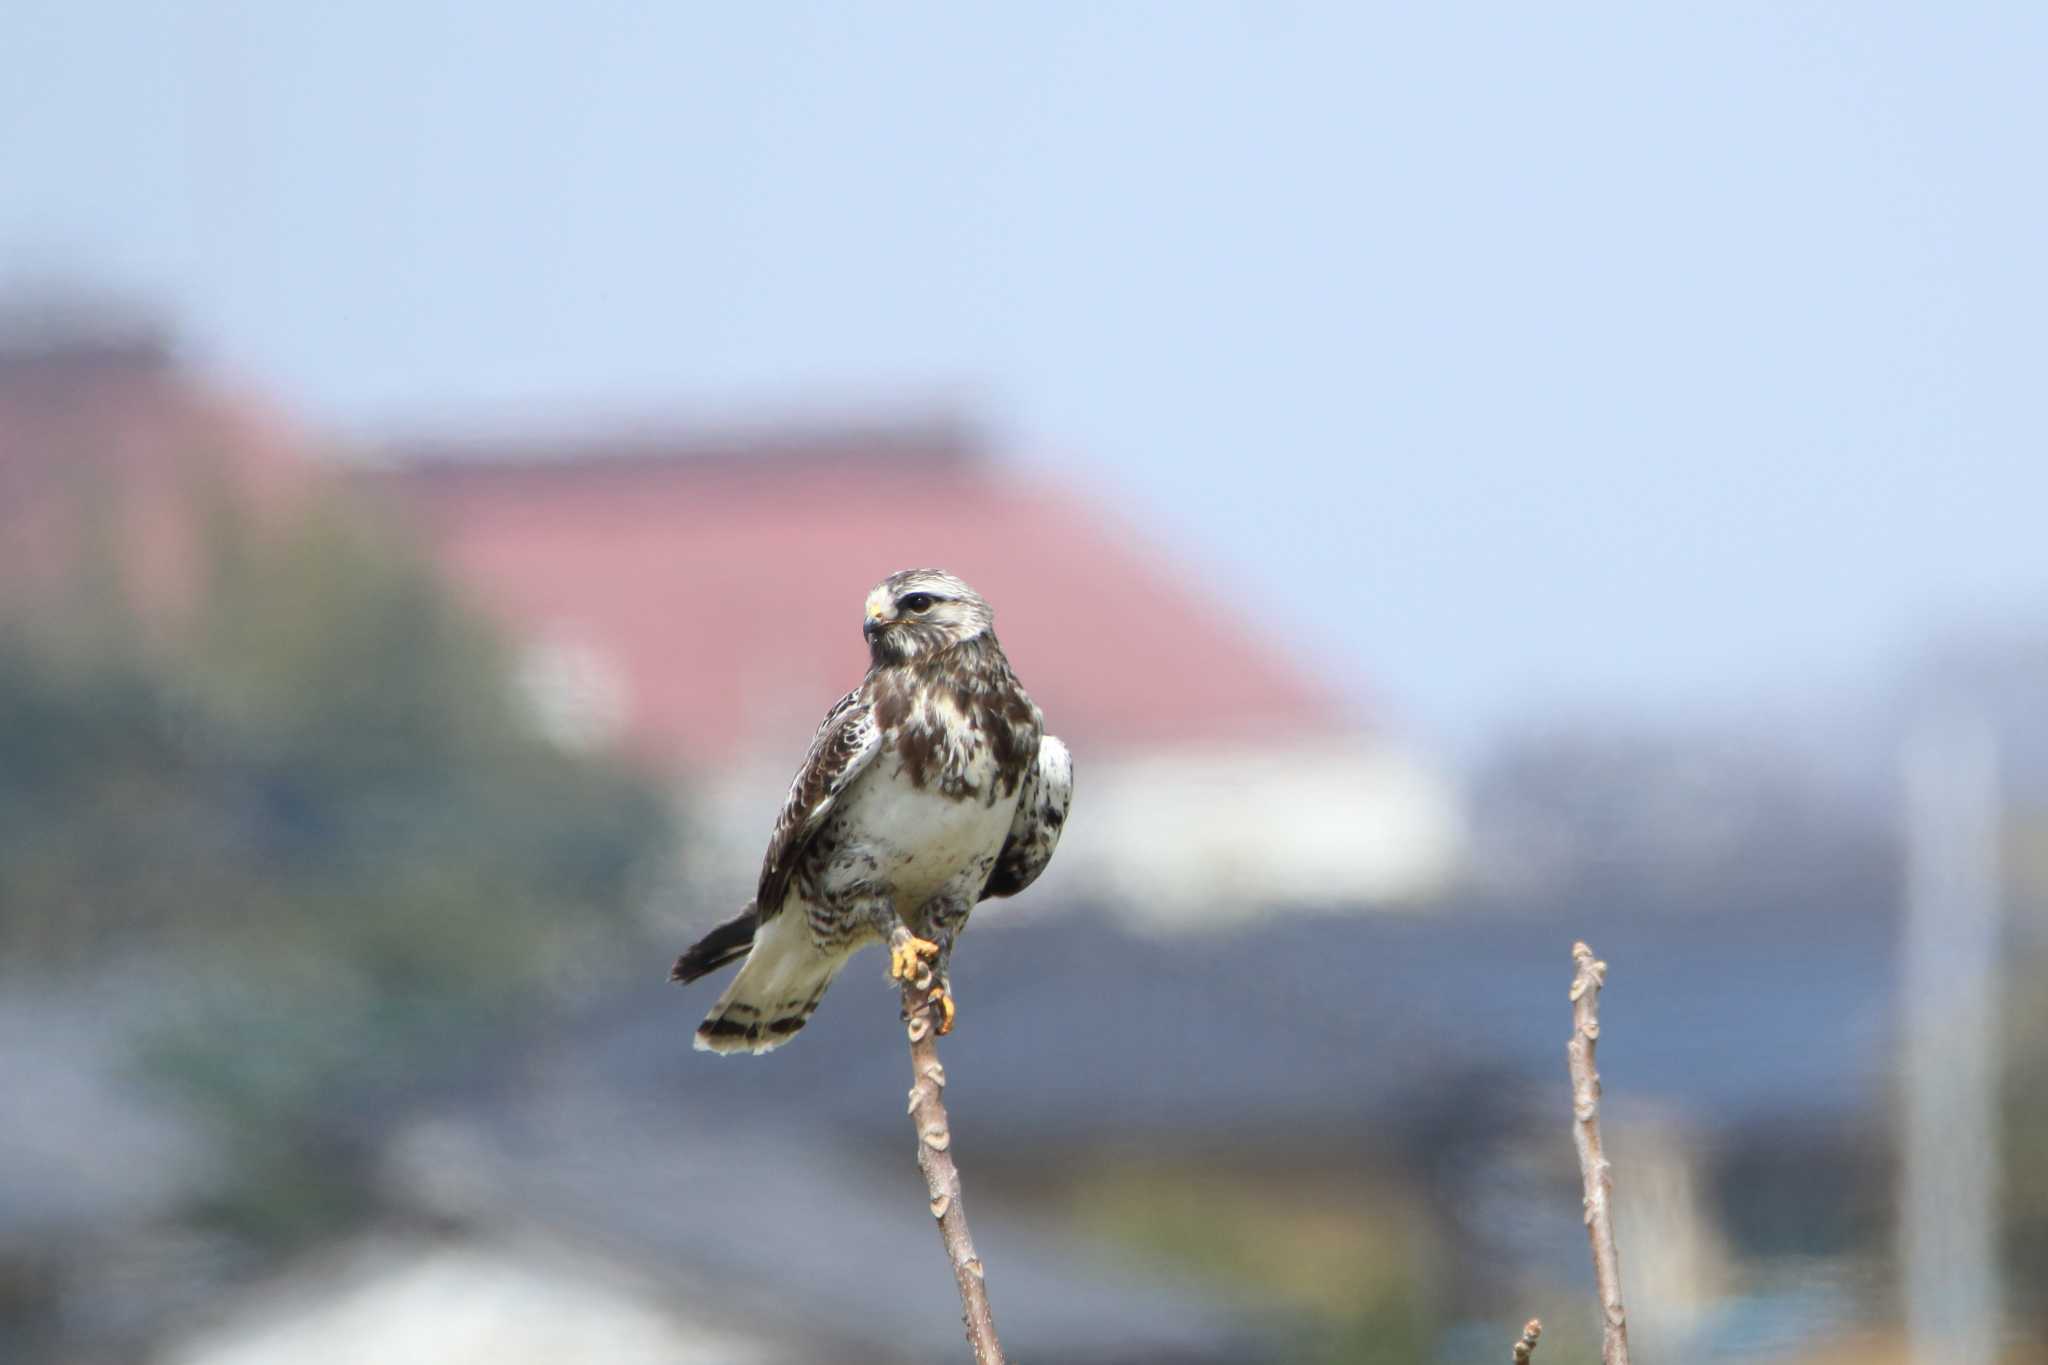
x=318, y=808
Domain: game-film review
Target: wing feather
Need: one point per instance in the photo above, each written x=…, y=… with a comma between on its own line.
x=1035, y=829
x=845, y=744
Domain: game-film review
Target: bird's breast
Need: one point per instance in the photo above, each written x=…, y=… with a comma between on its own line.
x=925, y=840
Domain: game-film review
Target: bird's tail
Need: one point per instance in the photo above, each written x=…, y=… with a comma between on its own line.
x=775, y=993
x=724, y=944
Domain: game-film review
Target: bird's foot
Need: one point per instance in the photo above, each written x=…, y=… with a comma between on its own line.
x=910, y=958
x=935, y=1014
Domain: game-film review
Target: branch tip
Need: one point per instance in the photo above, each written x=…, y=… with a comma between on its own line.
x=1596, y=1174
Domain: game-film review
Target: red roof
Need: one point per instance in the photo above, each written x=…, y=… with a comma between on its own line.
x=723, y=585
x=114, y=453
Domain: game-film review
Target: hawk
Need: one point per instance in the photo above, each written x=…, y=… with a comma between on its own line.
x=929, y=788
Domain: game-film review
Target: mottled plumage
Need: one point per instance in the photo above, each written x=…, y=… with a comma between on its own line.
x=928, y=788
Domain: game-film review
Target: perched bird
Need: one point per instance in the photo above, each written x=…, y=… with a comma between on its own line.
x=929, y=788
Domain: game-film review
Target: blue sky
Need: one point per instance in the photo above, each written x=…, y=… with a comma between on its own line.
x=1499, y=357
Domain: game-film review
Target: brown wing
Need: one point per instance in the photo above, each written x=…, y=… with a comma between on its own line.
x=845, y=744
x=1035, y=829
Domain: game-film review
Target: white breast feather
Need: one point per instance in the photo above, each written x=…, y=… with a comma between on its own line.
x=924, y=839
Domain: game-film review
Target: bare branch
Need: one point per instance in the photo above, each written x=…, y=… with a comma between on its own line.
x=1526, y=1347
x=1597, y=1175
x=941, y=1176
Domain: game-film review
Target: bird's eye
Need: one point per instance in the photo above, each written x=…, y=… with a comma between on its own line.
x=919, y=601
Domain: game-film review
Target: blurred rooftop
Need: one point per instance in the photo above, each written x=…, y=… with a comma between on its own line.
x=710, y=581
x=108, y=447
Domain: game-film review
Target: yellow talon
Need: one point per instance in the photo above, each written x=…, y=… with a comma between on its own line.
x=905, y=956
x=943, y=998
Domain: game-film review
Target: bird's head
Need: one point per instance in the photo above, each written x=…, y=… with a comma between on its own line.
x=921, y=611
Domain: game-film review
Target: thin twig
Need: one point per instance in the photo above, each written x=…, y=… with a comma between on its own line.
x=1593, y=1168
x=941, y=1176
x=1526, y=1347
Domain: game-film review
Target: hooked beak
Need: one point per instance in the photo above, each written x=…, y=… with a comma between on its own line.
x=872, y=627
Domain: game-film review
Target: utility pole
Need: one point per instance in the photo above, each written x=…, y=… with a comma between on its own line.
x=1949, y=1234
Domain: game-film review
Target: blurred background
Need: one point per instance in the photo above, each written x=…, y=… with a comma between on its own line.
x=1461, y=478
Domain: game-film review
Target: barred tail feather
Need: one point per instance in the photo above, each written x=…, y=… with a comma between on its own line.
x=775, y=993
